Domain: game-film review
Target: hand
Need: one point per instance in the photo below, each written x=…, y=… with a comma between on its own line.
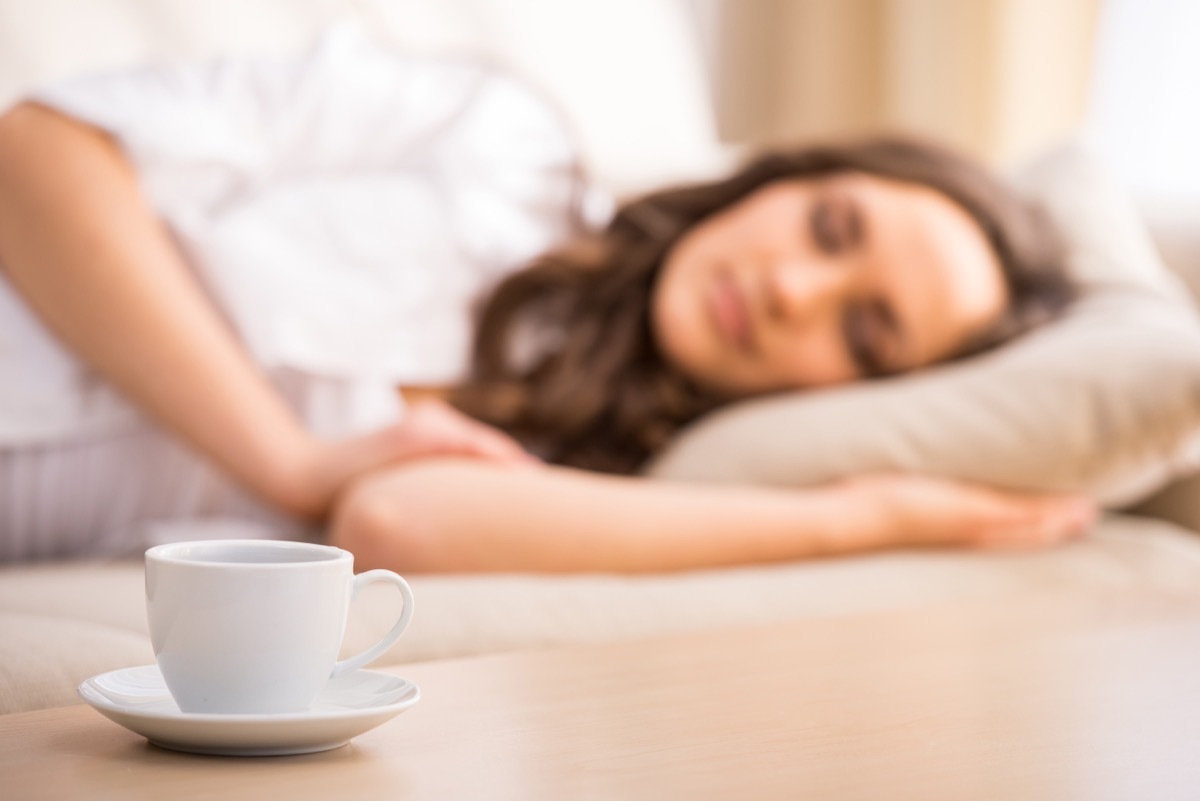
x=434, y=428
x=429, y=428
x=910, y=510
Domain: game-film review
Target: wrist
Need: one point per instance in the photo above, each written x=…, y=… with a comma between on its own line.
x=311, y=473
x=859, y=514
x=295, y=479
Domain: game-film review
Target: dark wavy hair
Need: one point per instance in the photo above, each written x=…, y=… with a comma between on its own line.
x=564, y=356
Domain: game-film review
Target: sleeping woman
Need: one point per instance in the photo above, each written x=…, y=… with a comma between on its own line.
x=354, y=293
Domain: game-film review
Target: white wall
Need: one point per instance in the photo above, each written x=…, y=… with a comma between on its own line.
x=1145, y=96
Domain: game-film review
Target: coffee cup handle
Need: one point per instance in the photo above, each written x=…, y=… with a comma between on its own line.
x=389, y=639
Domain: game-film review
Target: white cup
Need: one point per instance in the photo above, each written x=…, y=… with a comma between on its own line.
x=254, y=626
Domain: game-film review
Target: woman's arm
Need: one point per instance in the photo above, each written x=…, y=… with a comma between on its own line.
x=452, y=515
x=80, y=244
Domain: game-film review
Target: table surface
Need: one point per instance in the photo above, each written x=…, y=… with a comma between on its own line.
x=1054, y=697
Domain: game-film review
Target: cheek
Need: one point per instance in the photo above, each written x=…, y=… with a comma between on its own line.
x=815, y=358
x=675, y=318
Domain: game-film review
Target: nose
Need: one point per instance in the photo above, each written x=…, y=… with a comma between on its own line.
x=797, y=291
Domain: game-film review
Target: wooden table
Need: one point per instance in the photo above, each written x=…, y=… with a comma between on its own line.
x=1054, y=697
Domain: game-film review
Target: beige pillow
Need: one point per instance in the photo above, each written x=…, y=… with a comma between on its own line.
x=1105, y=400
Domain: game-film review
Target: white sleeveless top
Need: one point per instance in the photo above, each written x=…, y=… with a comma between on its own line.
x=344, y=209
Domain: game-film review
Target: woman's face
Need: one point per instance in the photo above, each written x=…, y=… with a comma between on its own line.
x=810, y=282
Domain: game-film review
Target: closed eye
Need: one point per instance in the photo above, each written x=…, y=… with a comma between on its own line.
x=872, y=337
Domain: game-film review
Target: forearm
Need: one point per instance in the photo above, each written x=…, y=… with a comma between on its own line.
x=461, y=516
x=79, y=243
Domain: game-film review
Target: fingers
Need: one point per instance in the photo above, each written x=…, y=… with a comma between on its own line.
x=928, y=511
x=1038, y=523
x=484, y=442
x=432, y=428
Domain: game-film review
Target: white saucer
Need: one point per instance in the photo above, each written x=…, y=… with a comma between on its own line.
x=137, y=698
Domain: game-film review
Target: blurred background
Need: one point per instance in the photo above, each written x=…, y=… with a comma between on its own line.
x=1001, y=78
x=997, y=77
x=661, y=90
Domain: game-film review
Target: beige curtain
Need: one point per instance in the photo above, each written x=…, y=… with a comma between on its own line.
x=999, y=78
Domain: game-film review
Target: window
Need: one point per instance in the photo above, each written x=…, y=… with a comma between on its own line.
x=1144, y=108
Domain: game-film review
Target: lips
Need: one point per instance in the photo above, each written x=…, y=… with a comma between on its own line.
x=729, y=312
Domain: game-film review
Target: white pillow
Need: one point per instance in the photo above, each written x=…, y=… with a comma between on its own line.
x=1105, y=400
